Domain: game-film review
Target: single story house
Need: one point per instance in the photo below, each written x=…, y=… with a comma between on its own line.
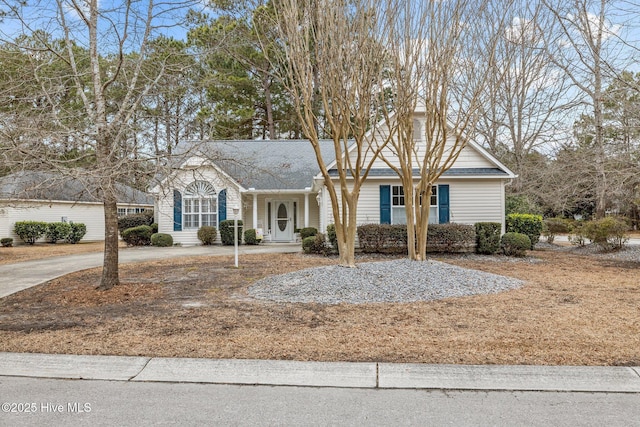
x=276, y=187
x=51, y=197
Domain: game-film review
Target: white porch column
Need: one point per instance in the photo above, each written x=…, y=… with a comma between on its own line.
x=255, y=211
x=306, y=210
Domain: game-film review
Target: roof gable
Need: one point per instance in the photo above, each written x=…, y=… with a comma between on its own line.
x=266, y=164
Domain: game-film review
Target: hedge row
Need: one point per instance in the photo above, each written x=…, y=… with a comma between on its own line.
x=30, y=231
x=392, y=239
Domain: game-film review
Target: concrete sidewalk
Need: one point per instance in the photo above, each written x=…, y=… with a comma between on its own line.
x=324, y=374
x=23, y=275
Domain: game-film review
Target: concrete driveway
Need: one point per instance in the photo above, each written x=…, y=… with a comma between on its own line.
x=23, y=275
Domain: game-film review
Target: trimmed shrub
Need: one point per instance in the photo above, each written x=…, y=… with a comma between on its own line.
x=515, y=244
x=488, y=237
x=308, y=232
x=226, y=231
x=608, y=233
x=383, y=238
x=135, y=220
x=161, y=239
x=6, y=242
x=207, y=235
x=154, y=227
x=30, y=231
x=332, y=236
x=250, y=237
x=451, y=238
x=137, y=236
x=57, y=231
x=78, y=230
x=528, y=224
x=315, y=245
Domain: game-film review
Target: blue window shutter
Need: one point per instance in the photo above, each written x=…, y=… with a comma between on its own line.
x=177, y=211
x=443, y=204
x=222, y=206
x=385, y=204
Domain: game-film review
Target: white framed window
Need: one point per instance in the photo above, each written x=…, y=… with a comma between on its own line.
x=199, y=205
x=130, y=211
x=398, y=215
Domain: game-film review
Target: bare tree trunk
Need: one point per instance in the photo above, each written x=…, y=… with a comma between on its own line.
x=266, y=85
x=110, y=276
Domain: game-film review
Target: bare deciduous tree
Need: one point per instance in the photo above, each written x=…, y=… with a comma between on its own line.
x=526, y=93
x=588, y=54
x=440, y=54
x=333, y=54
x=94, y=93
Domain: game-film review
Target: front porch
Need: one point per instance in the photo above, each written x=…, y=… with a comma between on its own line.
x=280, y=214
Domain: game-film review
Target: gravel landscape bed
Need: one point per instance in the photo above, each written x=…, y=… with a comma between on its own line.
x=379, y=282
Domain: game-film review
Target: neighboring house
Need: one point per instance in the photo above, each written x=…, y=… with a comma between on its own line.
x=50, y=197
x=276, y=188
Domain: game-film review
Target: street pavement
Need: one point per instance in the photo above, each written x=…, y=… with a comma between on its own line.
x=150, y=390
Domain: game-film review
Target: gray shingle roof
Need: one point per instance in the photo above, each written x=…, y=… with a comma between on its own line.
x=50, y=186
x=269, y=164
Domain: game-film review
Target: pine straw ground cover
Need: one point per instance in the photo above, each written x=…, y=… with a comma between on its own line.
x=573, y=310
x=22, y=252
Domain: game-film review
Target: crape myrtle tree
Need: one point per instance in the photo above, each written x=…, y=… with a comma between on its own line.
x=440, y=54
x=85, y=77
x=333, y=58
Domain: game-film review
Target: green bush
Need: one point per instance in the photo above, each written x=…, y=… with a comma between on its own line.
x=226, y=231
x=577, y=233
x=488, y=237
x=30, y=231
x=528, y=224
x=161, y=239
x=608, y=233
x=521, y=205
x=515, y=244
x=154, y=227
x=315, y=245
x=332, y=237
x=554, y=226
x=250, y=237
x=57, y=231
x=6, y=242
x=78, y=230
x=135, y=220
x=308, y=232
x=451, y=238
x=383, y=238
x=392, y=238
x=207, y=235
x=138, y=236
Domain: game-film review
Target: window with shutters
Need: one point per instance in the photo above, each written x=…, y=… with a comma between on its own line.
x=200, y=205
x=398, y=215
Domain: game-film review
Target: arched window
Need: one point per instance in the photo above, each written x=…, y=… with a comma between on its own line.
x=200, y=205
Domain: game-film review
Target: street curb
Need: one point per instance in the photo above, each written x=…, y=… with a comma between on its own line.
x=324, y=374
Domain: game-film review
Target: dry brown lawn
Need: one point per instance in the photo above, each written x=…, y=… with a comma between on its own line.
x=21, y=253
x=573, y=310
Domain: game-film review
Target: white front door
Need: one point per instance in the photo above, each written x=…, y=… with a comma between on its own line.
x=283, y=226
